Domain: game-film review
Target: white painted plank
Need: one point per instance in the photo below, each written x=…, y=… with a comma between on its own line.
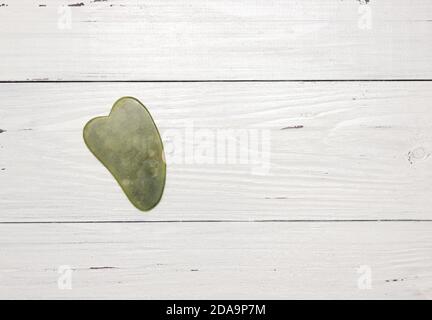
x=195, y=39
x=218, y=260
x=363, y=151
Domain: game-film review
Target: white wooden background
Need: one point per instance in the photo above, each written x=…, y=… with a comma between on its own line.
x=349, y=187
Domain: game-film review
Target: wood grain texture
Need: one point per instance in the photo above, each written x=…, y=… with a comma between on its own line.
x=172, y=39
x=338, y=151
x=217, y=260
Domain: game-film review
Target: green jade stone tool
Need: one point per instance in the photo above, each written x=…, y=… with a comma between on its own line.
x=128, y=144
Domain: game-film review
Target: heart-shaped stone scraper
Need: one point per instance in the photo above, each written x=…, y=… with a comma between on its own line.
x=127, y=142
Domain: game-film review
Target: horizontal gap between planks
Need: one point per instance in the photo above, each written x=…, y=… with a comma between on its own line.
x=217, y=221
x=214, y=81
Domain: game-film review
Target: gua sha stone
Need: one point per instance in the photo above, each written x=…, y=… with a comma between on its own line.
x=128, y=144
